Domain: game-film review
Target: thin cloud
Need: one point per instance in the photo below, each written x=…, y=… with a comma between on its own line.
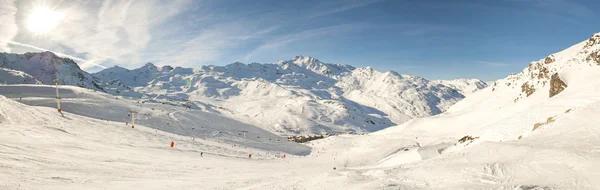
x=84, y=64
x=332, y=7
x=307, y=34
x=211, y=44
x=104, y=31
x=7, y=23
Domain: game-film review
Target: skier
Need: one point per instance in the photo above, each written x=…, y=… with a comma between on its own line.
x=201, y=153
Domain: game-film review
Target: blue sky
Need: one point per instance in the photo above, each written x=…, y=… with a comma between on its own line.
x=435, y=39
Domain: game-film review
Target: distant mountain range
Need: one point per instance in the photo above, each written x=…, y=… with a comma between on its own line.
x=298, y=96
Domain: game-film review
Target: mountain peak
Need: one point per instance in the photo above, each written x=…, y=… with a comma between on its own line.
x=305, y=60
x=149, y=66
x=595, y=39
x=48, y=54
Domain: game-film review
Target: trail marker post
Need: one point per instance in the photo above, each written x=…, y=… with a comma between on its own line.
x=244, y=133
x=132, y=118
x=58, y=99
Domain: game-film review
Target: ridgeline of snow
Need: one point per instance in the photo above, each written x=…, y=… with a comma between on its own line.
x=402, y=97
x=298, y=96
x=529, y=130
x=302, y=95
x=47, y=68
x=8, y=76
x=464, y=86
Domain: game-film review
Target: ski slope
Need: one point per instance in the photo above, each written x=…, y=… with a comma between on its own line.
x=42, y=150
x=527, y=131
x=192, y=123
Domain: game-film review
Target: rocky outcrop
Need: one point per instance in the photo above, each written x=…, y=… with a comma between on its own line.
x=467, y=138
x=537, y=69
x=594, y=40
x=527, y=89
x=556, y=85
x=594, y=56
x=549, y=59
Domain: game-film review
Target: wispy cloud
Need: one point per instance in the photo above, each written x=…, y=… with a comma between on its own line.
x=286, y=40
x=210, y=44
x=337, y=6
x=492, y=64
x=9, y=27
x=115, y=31
x=84, y=64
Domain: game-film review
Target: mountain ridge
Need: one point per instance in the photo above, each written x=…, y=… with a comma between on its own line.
x=333, y=94
x=302, y=95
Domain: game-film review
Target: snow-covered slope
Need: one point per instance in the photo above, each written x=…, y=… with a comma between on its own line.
x=465, y=86
x=302, y=95
x=47, y=68
x=533, y=129
x=502, y=137
x=8, y=76
x=402, y=97
x=176, y=120
x=298, y=96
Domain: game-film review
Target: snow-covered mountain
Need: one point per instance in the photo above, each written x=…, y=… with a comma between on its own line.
x=465, y=86
x=541, y=136
x=402, y=97
x=46, y=68
x=298, y=96
x=540, y=125
x=301, y=95
x=8, y=76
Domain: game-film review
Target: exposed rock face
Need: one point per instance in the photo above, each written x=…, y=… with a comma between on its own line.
x=549, y=59
x=594, y=56
x=167, y=67
x=528, y=89
x=556, y=85
x=595, y=39
x=543, y=74
x=538, y=70
x=467, y=139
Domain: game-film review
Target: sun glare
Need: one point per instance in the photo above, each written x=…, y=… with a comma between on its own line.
x=43, y=20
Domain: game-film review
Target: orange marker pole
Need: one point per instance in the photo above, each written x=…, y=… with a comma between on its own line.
x=172, y=144
x=132, y=120
x=58, y=99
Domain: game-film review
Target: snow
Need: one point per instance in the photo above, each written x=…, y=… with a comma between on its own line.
x=301, y=96
x=465, y=86
x=8, y=76
x=39, y=149
x=298, y=96
x=172, y=119
x=46, y=67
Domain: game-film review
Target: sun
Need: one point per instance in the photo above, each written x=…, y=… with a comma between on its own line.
x=43, y=20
